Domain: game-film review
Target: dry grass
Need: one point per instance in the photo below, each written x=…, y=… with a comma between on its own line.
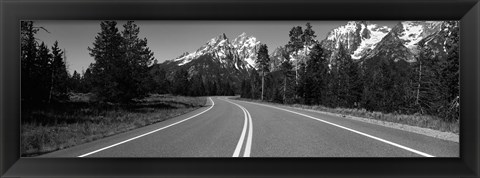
x=424, y=121
x=60, y=126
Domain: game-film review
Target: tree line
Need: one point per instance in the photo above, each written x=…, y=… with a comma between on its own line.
x=430, y=85
x=122, y=70
x=43, y=72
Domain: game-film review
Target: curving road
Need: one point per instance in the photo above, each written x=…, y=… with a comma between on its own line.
x=233, y=128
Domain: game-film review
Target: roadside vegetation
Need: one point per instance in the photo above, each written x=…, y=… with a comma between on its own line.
x=52, y=127
x=124, y=88
x=424, y=121
x=120, y=91
x=422, y=92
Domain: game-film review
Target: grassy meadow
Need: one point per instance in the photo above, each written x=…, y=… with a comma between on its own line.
x=52, y=127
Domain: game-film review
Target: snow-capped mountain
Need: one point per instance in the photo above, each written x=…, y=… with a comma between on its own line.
x=363, y=39
x=218, y=59
x=218, y=47
x=246, y=48
x=360, y=39
x=356, y=37
x=402, y=42
x=437, y=42
x=411, y=32
x=241, y=52
x=391, y=47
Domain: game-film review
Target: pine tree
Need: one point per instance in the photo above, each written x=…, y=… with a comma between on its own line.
x=316, y=72
x=288, y=91
x=75, y=83
x=121, y=69
x=180, y=83
x=87, y=80
x=348, y=80
x=255, y=83
x=343, y=62
x=246, y=89
x=197, y=87
x=452, y=71
x=431, y=86
x=109, y=78
x=28, y=56
x=374, y=84
x=332, y=85
x=138, y=58
x=159, y=76
x=294, y=44
x=262, y=61
x=43, y=73
x=59, y=77
x=301, y=84
x=308, y=36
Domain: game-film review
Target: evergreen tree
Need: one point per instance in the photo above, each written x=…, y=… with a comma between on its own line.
x=308, y=36
x=59, y=77
x=42, y=73
x=87, y=80
x=288, y=75
x=294, y=44
x=349, y=84
x=431, y=89
x=138, y=58
x=75, y=84
x=159, y=76
x=316, y=72
x=180, y=83
x=255, y=84
x=246, y=89
x=108, y=72
x=122, y=60
x=263, y=61
x=274, y=82
x=197, y=87
x=301, y=84
x=375, y=84
x=333, y=85
x=451, y=72
x=28, y=57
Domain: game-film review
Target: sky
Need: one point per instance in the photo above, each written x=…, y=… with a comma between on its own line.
x=170, y=39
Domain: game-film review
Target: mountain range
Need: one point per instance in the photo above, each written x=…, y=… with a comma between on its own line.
x=360, y=39
x=219, y=59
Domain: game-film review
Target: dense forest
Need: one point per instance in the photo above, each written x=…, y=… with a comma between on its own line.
x=429, y=85
x=124, y=70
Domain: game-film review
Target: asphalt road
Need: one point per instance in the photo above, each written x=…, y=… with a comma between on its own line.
x=232, y=128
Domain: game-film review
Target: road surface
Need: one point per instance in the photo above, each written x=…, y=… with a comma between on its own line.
x=233, y=128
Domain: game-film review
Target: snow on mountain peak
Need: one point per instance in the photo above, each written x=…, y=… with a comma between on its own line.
x=351, y=26
x=246, y=48
x=243, y=49
x=358, y=38
x=361, y=37
x=411, y=32
x=369, y=42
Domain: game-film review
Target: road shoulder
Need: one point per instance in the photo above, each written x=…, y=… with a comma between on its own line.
x=414, y=129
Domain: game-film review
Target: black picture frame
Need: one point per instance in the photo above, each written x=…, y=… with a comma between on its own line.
x=467, y=11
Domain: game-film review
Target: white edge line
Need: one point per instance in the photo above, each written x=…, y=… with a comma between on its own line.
x=355, y=131
x=148, y=133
